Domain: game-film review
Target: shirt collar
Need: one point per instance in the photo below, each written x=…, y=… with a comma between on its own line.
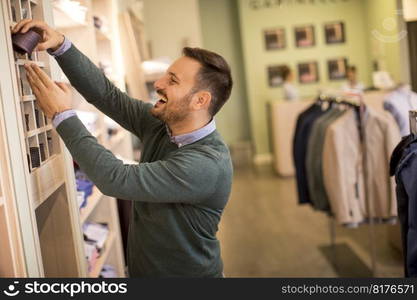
x=196, y=135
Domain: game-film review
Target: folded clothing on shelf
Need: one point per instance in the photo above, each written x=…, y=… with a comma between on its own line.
x=95, y=236
x=96, y=233
x=84, y=186
x=108, y=271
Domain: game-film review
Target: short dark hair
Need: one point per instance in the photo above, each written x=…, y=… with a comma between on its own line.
x=214, y=75
x=351, y=68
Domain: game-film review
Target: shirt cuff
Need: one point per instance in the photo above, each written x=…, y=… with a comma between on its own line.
x=62, y=117
x=62, y=49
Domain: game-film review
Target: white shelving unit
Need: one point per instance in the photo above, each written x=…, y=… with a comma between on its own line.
x=41, y=215
x=40, y=221
x=103, y=50
x=11, y=258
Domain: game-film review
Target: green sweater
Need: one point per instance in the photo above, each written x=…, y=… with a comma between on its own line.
x=178, y=194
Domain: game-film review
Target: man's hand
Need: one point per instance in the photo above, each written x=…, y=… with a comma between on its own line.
x=51, y=39
x=53, y=97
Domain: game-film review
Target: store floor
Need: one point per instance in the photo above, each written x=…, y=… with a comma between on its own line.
x=265, y=233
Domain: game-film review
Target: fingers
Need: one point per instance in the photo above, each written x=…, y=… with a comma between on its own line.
x=26, y=24
x=63, y=86
x=34, y=86
x=35, y=23
x=46, y=81
x=34, y=80
x=19, y=25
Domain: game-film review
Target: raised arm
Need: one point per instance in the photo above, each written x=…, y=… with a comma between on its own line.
x=90, y=81
x=93, y=85
x=174, y=180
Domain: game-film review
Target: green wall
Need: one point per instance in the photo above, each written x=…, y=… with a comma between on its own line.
x=383, y=35
x=253, y=22
x=220, y=33
x=231, y=28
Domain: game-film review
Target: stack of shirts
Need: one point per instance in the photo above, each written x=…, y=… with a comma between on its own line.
x=404, y=167
x=84, y=188
x=108, y=271
x=329, y=162
x=95, y=237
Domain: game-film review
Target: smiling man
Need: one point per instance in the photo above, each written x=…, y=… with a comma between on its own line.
x=183, y=182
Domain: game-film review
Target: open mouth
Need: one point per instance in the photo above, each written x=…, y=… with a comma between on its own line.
x=161, y=101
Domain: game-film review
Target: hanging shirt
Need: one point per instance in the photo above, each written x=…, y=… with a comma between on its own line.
x=357, y=88
x=398, y=103
x=290, y=92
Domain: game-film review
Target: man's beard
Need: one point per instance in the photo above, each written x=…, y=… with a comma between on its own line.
x=174, y=116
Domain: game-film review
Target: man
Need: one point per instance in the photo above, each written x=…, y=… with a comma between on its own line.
x=183, y=182
x=352, y=85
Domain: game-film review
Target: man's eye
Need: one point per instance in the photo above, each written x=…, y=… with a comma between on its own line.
x=172, y=81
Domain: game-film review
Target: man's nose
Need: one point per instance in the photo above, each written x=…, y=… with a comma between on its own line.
x=158, y=85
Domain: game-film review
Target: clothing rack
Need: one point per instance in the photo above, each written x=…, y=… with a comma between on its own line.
x=356, y=101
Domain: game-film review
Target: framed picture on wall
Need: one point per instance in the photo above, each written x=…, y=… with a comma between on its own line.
x=274, y=39
x=337, y=68
x=308, y=72
x=304, y=36
x=334, y=33
x=275, y=75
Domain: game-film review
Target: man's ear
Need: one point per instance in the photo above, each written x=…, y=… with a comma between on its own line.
x=202, y=100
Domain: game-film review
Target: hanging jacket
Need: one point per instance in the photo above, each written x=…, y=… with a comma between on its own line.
x=404, y=166
x=301, y=136
x=314, y=159
x=343, y=167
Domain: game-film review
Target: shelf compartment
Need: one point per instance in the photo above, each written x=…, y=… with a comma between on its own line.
x=39, y=118
x=28, y=116
x=53, y=141
x=95, y=272
x=25, y=9
x=47, y=179
x=92, y=202
x=56, y=236
x=15, y=11
x=43, y=147
x=36, y=12
x=24, y=86
x=34, y=154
